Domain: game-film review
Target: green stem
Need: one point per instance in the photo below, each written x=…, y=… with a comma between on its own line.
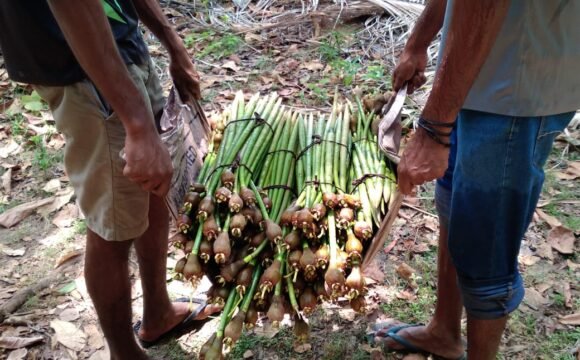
x=291, y=292
x=278, y=288
x=225, y=314
x=259, y=201
x=252, y=290
x=333, y=246
x=198, y=236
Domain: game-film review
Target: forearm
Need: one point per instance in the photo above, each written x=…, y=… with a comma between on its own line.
x=89, y=36
x=151, y=15
x=472, y=33
x=428, y=25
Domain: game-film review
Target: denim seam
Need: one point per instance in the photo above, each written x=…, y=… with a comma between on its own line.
x=507, y=158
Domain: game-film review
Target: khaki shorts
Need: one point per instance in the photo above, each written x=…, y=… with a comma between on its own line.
x=114, y=207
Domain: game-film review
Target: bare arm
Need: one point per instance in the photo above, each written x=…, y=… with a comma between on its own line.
x=428, y=25
x=473, y=31
x=181, y=67
x=89, y=36
x=413, y=60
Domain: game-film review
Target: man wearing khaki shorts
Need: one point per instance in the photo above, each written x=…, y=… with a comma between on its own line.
x=88, y=61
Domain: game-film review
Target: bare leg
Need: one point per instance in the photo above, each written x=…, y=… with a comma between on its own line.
x=107, y=278
x=484, y=337
x=442, y=336
x=159, y=314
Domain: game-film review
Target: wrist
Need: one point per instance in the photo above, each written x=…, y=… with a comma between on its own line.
x=138, y=125
x=416, y=46
x=437, y=131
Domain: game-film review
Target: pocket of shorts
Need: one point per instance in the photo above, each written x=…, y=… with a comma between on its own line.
x=90, y=91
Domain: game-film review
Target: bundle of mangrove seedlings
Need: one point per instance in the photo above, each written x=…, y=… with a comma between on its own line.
x=282, y=213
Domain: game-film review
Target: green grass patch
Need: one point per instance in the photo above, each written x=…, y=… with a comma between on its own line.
x=280, y=344
x=339, y=346
x=220, y=47
x=17, y=126
x=558, y=345
x=44, y=158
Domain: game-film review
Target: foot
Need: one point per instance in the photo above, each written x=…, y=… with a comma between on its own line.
x=179, y=311
x=423, y=337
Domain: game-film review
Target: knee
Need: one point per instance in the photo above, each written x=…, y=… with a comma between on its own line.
x=491, y=299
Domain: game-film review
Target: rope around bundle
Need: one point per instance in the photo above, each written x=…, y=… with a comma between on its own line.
x=282, y=150
x=316, y=183
x=257, y=118
x=316, y=140
x=234, y=165
x=356, y=182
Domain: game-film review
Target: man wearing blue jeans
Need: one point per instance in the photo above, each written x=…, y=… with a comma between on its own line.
x=507, y=83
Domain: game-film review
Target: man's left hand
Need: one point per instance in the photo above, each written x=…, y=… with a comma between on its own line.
x=185, y=78
x=423, y=160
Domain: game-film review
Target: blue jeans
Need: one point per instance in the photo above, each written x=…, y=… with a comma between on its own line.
x=487, y=198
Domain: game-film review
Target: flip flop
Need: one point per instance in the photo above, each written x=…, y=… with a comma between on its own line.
x=188, y=324
x=408, y=347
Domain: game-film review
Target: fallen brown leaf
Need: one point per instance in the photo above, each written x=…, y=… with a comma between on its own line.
x=377, y=354
x=61, y=198
x=12, y=148
x=267, y=330
x=420, y=248
x=572, y=265
x=302, y=348
x=252, y=38
x=567, y=295
x=534, y=299
x=13, y=252
x=17, y=354
x=101, y=355
x=6, y=292
x=562, y=239
x=406, y=295
x=52, y=186
x=7, y=180
x=67, y=257
x=405, y=271
x=572, y=319
x=312, y=65
x=549, y=219
x=543, y=287
x=69, y=335
x=373, y=271
x=12, y=342
x=528, y=260
x=66, y=217
x=287, y=92
x=69, y=315
x=566, y=176
x=248, y=354
x=95, y=338
x=18, y=213
x=231, y=65
x=545, y=251
x=414, y=357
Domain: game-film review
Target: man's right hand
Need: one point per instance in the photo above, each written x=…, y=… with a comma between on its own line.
x=148, y=162
x=411, y=69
